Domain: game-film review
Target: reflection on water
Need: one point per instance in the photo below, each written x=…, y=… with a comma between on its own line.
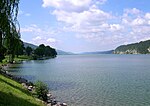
x=93, y=80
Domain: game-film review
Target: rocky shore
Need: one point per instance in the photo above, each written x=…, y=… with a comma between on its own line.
x=51, y=101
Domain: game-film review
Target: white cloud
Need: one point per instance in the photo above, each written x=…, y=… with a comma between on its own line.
x=43, y=35
x=138, y=21
x=149, y=22
x=36, y=30
x=51, y=40
x=147, y=15
x=43, y=40
x=71, y=5
x=89, y=22
x=67, y=5
x=115, y=27
x=24, y=13
x=93, y=15
x=132, y=11
x=37, y=38
x=80, y=16
x=33, y=29
x=125, y=21
x=25, y=30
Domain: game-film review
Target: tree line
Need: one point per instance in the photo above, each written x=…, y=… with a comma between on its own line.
x=40, y=51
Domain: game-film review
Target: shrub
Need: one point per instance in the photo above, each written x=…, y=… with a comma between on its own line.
x=41, y=90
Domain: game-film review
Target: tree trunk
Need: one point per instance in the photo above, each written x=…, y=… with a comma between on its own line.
x=0, y=41
x=11, y=58
x=0, y=46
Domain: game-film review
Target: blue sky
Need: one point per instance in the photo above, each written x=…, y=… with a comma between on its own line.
x=84, y=25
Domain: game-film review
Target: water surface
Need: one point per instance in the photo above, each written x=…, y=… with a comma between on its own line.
x=93, y=80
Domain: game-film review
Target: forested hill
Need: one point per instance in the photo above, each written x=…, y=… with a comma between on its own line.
x=142, y=47
x=59, y=52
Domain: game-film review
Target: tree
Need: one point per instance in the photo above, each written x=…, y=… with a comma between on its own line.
x=28, y=50
x=8, y=21
x=43, y=50
x=40, y=51
x=3, y=50
x=20, y=48
x=54, y=53
x=12, y=42
x=48, y=51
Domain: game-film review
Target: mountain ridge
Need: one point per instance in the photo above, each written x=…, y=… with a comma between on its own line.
x=99, y=52
x=142, y=47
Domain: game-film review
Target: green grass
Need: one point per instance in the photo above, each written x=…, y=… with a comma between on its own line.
x=22, y=58
x=17, y=59
x=13, y=94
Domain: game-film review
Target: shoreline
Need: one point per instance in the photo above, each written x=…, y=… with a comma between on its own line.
x=51, y=101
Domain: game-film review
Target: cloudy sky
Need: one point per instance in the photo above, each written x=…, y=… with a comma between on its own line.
x=84, y=25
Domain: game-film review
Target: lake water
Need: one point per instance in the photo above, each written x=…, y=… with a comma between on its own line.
x=93, y=80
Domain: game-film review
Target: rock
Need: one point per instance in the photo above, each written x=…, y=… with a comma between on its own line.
x=49, y=104
x=49, y=101
x=22, y=80
x=30, y=88
x=64, y=104
x=49, y=95
x=24, y=85
x=54, y=102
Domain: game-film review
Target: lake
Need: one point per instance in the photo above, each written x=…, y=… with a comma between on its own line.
x=93, y=80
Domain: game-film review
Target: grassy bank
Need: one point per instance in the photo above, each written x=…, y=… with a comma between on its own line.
x=17, y=59
x=13, y=94
x=23, y=57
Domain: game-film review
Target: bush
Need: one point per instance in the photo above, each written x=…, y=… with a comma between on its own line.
x=1, y=57
x=41, y=90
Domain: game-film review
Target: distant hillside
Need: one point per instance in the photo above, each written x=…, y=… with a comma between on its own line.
x=30, y=45
x=100, y=52
x=59, y=52
x=142, y=47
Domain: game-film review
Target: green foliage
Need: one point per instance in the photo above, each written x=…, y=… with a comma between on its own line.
x=41, y=90
x=28, y=50
x=19, y=49
x=22, y=58
x=43, y=50
x=39, y=51
x=3, y=50
x=2, y=57
x=141, y=47
x=12, y=43
x=50, y=51
x=9, y=27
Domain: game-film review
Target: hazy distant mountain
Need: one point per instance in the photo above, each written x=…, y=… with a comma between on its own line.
x=30, y=45
x=99, y=52
x=59, y=52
